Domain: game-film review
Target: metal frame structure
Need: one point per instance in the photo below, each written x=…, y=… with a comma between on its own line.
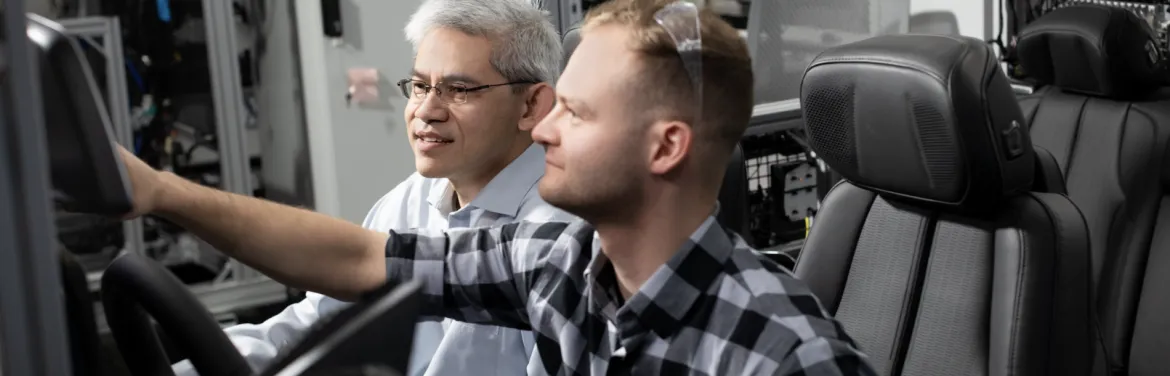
x=227, y=95
x=230, y=115
x=774, y=117
x=32, y=314
x=246, y=288
x=564, y=13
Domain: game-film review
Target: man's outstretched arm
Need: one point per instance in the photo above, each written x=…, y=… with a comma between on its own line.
x=479, y=275
x=294, y=246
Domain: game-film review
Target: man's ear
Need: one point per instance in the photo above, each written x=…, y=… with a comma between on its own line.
x=539, y=100
x=670, y=144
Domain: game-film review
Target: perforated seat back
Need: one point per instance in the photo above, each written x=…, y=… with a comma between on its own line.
x=1106, y=124
x=936, y=254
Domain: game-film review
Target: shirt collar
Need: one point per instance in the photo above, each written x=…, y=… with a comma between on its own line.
x=504, y=193
x=672, y=291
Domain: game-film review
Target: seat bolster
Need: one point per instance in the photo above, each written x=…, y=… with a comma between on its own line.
x=834, y=234
x=733, y=197
x=1147, y=356
x=1041, y=321
x=1049, y=177
x=1029, y=103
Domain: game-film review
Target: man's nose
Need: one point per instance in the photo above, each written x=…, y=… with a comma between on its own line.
x=544, y=132
x=431, y=109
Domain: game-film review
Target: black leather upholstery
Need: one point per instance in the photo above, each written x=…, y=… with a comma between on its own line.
x=84, y=344
x=930, y=289
x=1049, y=177
x=1093, y=50
x=912, y=144
x=733, y=196
x=1111, y=151
x=1151, y=323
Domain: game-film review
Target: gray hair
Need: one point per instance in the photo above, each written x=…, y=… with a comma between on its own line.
x=525, y=44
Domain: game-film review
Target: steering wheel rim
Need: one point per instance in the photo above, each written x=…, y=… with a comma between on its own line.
x=135, y=289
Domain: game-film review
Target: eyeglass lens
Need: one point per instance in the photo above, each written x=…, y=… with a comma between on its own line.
x=448, y=93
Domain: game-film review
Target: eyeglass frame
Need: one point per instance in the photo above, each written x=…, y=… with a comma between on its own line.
x=407, y=92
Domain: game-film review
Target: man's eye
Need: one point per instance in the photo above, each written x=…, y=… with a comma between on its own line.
x=420, y=86
x=459, y=89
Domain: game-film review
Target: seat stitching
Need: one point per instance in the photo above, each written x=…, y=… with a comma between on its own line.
x=1076, y=136
x=1014, y=343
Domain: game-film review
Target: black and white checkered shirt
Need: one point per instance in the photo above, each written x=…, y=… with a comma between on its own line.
x=716, y=308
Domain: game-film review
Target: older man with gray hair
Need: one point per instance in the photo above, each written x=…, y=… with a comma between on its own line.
x=481, y=81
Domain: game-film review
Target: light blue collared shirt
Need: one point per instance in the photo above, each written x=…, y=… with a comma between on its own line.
x=440, y=348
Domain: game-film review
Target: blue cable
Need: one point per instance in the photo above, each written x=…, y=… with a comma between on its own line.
x=134, y=75
x=164, y=10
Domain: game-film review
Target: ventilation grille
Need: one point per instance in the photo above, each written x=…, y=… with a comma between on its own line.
x=829, y=117
x=938, y=145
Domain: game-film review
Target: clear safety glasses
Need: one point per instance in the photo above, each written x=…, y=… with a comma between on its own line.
x=681, y=21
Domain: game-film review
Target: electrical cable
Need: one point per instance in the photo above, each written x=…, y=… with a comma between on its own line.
x=135, y=76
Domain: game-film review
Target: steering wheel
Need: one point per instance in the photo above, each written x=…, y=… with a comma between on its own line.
x=136, y=289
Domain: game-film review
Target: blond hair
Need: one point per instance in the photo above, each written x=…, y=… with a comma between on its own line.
x=663, y=83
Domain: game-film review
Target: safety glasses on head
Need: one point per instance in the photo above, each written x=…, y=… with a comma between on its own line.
x=681, y=21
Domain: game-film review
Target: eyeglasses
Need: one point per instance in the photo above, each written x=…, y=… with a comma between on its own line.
x=681, y=21
x=448, y=93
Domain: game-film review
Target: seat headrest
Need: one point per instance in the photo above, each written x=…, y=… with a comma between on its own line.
x=569, y=43
x=929, y=118
x=1092, y=49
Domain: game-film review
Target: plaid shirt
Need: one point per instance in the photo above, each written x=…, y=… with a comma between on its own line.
x=716, y=307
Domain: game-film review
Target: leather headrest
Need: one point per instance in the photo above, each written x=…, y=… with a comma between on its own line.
x=1092, y=49
x=929, y=118
x=569, y=43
